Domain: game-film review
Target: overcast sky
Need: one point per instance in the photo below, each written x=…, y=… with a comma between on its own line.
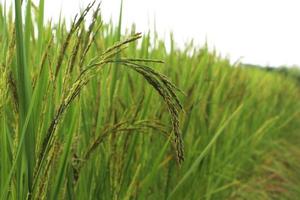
x=265, y=32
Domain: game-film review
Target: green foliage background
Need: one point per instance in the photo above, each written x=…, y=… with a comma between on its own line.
x=89, y=113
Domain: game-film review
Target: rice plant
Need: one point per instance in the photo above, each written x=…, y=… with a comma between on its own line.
x=89, y=113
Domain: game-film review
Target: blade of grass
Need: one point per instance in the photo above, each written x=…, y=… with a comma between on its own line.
x=25, y=91
x=115, y=73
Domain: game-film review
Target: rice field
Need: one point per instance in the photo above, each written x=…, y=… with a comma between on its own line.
x=89, y=113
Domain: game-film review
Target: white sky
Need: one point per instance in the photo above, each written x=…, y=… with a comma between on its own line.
x=265, y=32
